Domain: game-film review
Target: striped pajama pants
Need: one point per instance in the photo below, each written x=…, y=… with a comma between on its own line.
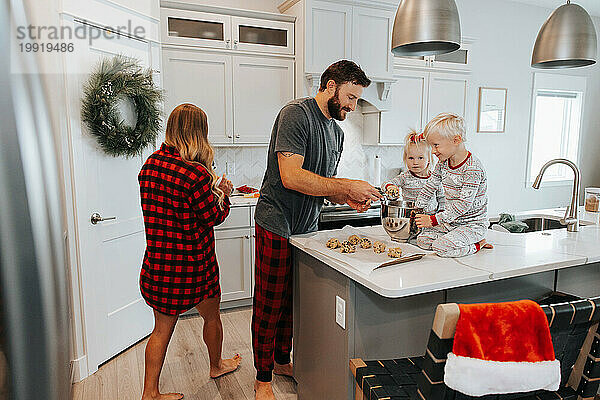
x=458, y=241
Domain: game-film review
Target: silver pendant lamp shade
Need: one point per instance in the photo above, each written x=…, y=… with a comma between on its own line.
x=426, y=28
x=566, y=40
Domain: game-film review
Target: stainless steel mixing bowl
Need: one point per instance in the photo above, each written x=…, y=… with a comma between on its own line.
x=398, y=219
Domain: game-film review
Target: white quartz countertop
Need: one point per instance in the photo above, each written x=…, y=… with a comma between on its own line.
x=514, y=254
x=241, y=201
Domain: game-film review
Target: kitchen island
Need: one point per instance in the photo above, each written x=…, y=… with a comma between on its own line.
x=388, y=313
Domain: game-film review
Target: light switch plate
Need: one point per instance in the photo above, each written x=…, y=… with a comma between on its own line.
x=340, y=312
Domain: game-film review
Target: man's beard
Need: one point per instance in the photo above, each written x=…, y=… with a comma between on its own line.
x=335, y=107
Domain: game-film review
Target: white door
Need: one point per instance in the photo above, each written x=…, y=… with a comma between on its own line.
x=233, y=254
x=203, y=79
x=259, y=35
x=110, y=252
x=329, y=35
x=407, y=111
x=447, y=93
x=262, y=86
x=371, y=40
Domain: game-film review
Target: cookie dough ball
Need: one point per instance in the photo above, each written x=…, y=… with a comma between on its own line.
x=348, y=248
x=333, y=243
x=354, y=239
x=365, y=243
x=378, y=247
x=392, y=191
x=395, y=252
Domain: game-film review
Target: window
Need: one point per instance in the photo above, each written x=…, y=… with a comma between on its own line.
x=556, y=124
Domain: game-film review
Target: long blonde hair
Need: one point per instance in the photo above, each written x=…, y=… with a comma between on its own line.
x=415, y=139
x=187, y=131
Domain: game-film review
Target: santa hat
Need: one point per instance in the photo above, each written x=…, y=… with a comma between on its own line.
x=502, y=348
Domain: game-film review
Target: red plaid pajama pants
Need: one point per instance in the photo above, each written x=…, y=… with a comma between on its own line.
x=272, y=305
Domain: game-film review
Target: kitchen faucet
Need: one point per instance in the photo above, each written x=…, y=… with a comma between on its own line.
x=571, y=218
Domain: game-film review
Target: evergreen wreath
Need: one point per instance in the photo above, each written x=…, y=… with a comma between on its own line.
x=114, y=79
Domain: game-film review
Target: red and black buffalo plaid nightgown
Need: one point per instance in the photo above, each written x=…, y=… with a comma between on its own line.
x=180, y=266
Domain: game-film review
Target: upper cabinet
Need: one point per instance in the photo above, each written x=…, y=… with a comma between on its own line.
x=458, y=60
x=328, y=35
x=329, y=31
x=371, y=35
x=212, y=30
x=237, y=67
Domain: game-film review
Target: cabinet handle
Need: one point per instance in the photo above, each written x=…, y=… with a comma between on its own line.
x=228, y=43
x=247, y=236
x=237, y=136
x=229, y=136
x=235, y=44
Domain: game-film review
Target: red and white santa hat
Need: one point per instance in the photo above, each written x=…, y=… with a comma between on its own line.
x=502, y=348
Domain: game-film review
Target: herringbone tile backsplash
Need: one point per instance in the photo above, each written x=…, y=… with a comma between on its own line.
x=357, y=161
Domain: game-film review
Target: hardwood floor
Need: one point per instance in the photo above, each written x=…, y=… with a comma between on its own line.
x=186, y=367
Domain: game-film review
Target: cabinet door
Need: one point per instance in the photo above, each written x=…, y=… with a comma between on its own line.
x=264, y=36
x=447, y=93
x=262, y=86
x=458, y=59
x=205, y=81
x=329, y=37
x=233, y=254
x=195, y=28
x=407, y=110
x=371, y=40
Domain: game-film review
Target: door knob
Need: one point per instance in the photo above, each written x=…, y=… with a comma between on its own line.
x=95, y=218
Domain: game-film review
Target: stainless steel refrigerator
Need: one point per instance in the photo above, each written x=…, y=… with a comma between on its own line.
x=34, y=328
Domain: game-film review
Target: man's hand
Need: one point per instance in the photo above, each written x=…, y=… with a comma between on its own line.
x=361, y=191
x=360, y=207
x=423, y=221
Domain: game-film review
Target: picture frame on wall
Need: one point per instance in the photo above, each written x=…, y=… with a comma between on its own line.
x=491, y=113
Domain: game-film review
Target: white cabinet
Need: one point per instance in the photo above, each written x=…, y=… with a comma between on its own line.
x=408, y=107
x=458, y=60
x=447, y=93
x=416, y=97
x=233, y=248
x=261, y=86
x=204, y=80
x=214, y=30
x=332, y=30
x=258, y=35
x=195, y=28
x=329, y=35
x=371, y=38
x=231, y=90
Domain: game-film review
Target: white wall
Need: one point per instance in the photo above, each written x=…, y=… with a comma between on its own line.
x=505, y=33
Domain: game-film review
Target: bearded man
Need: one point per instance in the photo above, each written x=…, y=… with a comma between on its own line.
x=304, y=153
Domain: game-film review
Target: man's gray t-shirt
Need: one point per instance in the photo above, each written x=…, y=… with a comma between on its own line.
x=300, y=128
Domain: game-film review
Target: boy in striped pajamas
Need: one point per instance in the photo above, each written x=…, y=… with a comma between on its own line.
x=460, y=229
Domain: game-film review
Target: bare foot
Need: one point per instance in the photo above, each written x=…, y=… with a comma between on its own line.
x=284, y=369
x=228, y=365
x=485, y=245
x=166, y=396
x=263, y=391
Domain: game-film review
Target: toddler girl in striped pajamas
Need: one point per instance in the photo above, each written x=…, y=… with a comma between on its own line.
x=460, y=229
x=418, y=159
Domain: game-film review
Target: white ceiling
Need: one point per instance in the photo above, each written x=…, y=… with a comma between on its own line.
x=592, y=6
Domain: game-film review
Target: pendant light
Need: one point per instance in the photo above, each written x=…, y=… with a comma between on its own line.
x=426, y=28
x=566, y=40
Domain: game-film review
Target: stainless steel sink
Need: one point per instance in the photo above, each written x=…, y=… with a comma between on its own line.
x=537, y=224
